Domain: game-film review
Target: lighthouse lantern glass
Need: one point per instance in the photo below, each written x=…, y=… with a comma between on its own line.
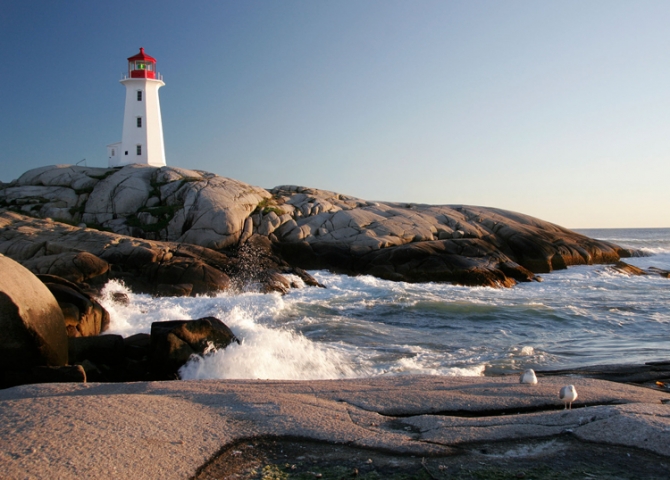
x=141, y=69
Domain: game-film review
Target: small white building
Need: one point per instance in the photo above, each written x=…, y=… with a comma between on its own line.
x=142, y=138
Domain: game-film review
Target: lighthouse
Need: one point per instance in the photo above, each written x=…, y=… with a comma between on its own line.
x=142, y=138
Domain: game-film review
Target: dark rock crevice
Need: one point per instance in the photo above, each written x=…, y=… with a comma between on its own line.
x=500, y=412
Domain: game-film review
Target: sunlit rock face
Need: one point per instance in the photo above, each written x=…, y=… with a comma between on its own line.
x=32, y=324
x=417, y=243
x=308, y=228
x=169, y=204
x=48, y=247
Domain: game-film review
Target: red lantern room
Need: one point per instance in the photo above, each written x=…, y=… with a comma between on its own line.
x=142, y=66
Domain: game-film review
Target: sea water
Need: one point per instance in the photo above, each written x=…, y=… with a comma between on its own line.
x=363, y=326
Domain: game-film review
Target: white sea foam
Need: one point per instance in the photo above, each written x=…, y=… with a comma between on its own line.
x=418, y=365
x=270, y=354
x=526, y=351
x=137, y=315
x=364, y=326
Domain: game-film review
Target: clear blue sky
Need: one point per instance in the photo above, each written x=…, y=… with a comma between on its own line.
x=560, y=110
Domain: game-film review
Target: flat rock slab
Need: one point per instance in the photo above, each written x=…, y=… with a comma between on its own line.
x=169, y=429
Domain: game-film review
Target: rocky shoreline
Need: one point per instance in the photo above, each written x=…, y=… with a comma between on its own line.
x=173, y=232
x=66, y=231
x=152, y=225
x=154, y=429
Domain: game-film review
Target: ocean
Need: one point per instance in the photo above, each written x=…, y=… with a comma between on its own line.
x=365, y=327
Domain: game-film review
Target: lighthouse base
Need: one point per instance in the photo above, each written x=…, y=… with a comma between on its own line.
x=114, y=155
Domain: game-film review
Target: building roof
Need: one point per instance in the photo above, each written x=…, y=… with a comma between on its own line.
x=142, y=56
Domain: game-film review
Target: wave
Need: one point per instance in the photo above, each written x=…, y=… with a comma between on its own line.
x=266, y=353
x=363, y=326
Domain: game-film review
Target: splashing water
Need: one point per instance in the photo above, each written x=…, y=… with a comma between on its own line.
x=363, y=326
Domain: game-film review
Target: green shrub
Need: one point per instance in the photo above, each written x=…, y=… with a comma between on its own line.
x=268, y=205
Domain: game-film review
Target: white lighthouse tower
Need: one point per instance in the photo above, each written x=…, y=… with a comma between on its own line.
x=142, y=139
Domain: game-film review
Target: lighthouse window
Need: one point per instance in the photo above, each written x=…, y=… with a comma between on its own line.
x=139, y=95
x=139, y=122
x=139, y=149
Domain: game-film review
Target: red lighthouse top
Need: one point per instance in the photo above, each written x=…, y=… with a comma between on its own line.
x=142, y=66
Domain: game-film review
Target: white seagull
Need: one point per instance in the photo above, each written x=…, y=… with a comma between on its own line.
x=568, y=394
x=528, y=377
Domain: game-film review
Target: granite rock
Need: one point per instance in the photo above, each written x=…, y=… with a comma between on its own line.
x=31, y=322
x=309, y=228
x=84, y=316
x=414, y=242
x=142, y=264
x=174, y=342
x=405, y=415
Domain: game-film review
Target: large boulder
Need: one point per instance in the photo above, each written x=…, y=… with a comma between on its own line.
x=173, y=204
x=173, y=342
x=119, y=195
x=73, y=266
x=31, y=322
x=84, y=316
x=182, y=272
x=215, y=211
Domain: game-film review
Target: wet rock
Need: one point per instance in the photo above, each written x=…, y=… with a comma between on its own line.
x=175, y=290
x=138, y=346
x=182, y=272
x=73, y=266
x=620, y=373
x=83, y=315
x=627, y=269
x=658, y=271
x=120, y=298
x=398, y=241
x=93, y=373
x=306, y=277
x=173, y=342
x=102, y=349
x=465, y=262
x=274, y=282
x=623, y=267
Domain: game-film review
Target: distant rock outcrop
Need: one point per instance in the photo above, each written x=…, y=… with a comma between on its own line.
x=418, y=243
x=308, y=228
x=627, y=269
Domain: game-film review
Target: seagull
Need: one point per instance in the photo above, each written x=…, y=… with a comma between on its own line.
x=568, y=394
x=528, y=377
